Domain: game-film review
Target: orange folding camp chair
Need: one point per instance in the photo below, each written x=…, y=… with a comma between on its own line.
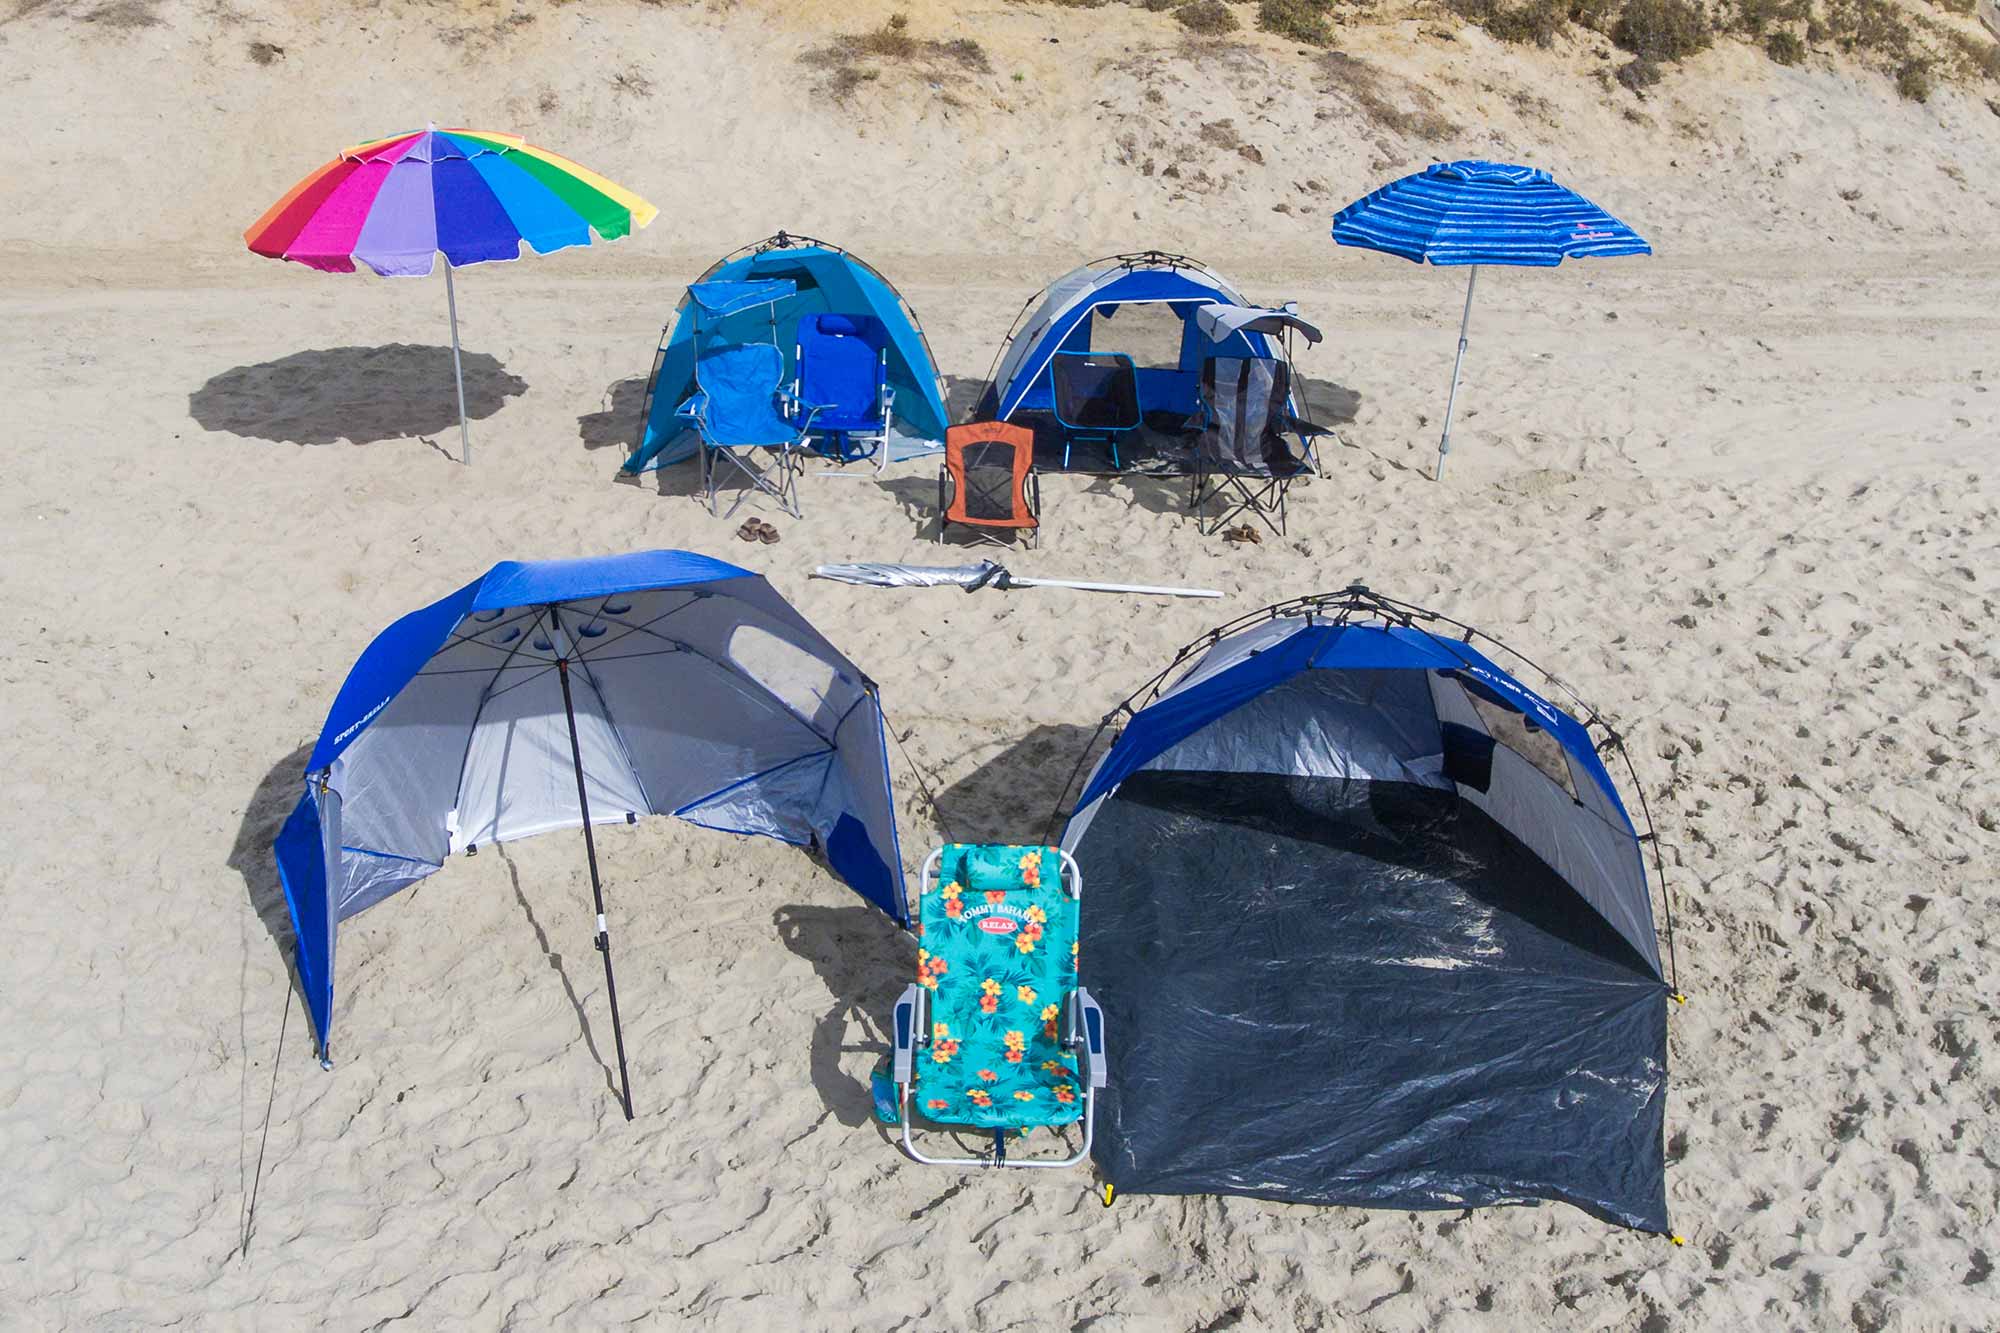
x=988, y=482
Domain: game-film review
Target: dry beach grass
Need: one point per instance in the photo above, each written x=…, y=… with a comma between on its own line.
x=1742, y=495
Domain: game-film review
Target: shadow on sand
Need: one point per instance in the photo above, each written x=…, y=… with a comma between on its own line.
x=251, y=855
x=616, y=425
x=864, y=960
x=1011, y=796
x=359, y=394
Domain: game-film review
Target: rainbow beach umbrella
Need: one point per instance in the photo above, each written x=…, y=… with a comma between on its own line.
x=396, y=204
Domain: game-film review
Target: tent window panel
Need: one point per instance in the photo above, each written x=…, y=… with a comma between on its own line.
x=1150, y=333
x=788, y=671
x=1533, y=744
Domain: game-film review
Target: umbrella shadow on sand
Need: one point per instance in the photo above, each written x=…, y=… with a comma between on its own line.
x=362, y=395
x=864, y=960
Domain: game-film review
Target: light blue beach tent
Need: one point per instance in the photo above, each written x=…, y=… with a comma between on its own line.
x=654, y=683
x=827, y=280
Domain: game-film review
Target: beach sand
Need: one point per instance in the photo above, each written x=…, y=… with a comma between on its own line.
x=1742, y=495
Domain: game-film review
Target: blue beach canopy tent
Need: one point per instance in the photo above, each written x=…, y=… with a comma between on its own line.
x=1471, y=213
x=556, y=694
x=1373, y=926
x=826, y=280
x=1080, y=312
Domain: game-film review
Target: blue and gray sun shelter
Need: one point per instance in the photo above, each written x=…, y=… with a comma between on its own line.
x=558, y=694
x=735, y=302
x=1371, y=926
x=1080, y=312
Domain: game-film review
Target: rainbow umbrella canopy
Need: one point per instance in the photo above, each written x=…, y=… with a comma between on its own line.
x=396, y=204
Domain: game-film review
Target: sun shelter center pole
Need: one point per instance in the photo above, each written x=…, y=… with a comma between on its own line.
x=457, y=370
x=1464, y=326
x=603, y=940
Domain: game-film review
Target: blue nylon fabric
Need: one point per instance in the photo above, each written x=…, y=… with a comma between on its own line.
x=472, y=227
x=827, y=282
x=866, y=858
x=1161, y=725
x=400, y=651
x=729, y=298
x=1070, y=332
x=1474, y=212
x=302, y=871
x=534, y=210
x=739, y=387
x=840, y=370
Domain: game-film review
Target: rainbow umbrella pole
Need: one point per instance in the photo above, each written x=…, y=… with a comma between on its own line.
x=472, y=196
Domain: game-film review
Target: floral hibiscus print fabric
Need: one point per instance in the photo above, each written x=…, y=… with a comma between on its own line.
x=998, y=955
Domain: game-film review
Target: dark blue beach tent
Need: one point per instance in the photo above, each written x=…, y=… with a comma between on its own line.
x=1371, y=925
x=552, y=694
x=1059, y=318
x=825, y=280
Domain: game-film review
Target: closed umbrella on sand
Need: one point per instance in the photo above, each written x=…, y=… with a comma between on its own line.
x=472, y=196
x=1474, y=213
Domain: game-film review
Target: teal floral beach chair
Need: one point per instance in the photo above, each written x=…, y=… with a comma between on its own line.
x=996, y=1034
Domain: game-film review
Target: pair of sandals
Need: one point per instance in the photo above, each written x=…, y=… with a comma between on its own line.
x=757, y=530
x=1246, y=533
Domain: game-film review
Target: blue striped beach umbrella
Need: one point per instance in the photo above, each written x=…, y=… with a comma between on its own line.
x=1477, y=213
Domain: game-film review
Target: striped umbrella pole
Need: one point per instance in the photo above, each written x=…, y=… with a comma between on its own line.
x=1451, y=400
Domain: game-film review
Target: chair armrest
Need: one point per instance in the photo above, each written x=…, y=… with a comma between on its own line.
x=693, y=407
x=1092, y=1035
x=906, y=1034
x=811, y=410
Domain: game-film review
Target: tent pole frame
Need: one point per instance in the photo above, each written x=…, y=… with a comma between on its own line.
x=1451, y=399
x=603, y=938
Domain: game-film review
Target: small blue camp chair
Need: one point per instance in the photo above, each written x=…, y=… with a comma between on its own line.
x=1097, y=398
x=843, y=374
x=740, y=405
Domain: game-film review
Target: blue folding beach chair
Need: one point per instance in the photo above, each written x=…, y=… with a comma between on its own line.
x=1097, y=398
x=741, y=405
x=843, y=375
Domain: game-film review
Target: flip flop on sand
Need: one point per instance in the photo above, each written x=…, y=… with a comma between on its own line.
x=1246, y=533
x=766, y=533
x=751, y=530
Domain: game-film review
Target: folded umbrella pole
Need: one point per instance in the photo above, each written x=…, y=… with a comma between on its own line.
x=985, y=574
